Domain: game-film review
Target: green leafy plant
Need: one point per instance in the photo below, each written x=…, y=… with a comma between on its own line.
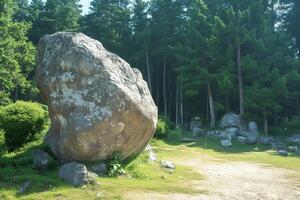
x=115, y=167
x=162, y=128
x=21, y=122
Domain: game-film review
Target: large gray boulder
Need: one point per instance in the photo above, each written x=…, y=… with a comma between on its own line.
x=98, y=104
x=230, y=120
x=76, y=174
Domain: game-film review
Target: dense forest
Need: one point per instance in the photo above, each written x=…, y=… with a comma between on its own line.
x=200, y=57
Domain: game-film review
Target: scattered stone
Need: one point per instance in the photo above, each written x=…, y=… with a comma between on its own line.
x=293, y=149
x=151, y=154
x=100, y=194
x=24, y=187
x=215, y=133
x=253, y=128
x=100, y=168
x=266, y=140
x=187, y=139
x=230, y=120
x=251, y=138
x=170, y=171
x=76, y=174
x=226, y=143
x=40, y=160
x=283, y=153
x=167, y=164
x=294, y=139
x=98, y=104
x=241, y=139
x=196, y=127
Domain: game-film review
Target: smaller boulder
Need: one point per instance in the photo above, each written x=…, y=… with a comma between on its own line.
x=252, y=127
x=226, y=143
x=230, y=120
x=76, y=174
x=214, y=134
x=266, y=140
x=24, y=187
x=293, y=149
x=167, y=164
x=283, y=153
x=294, y=139
x=196, y=127
x=251, y=138
x=241, y=139
x=100, y=168
x=151, y=154
x=40, y=160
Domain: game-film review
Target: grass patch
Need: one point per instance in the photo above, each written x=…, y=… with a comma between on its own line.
x=210, y=147
x=141, y=176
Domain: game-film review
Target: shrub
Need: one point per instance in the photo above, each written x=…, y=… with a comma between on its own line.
x=21, y=122
x=162, y=128
x=115, y=167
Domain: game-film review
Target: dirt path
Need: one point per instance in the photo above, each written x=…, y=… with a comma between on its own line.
x=234, y=181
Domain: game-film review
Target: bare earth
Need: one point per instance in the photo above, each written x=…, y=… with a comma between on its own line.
x=233, y=181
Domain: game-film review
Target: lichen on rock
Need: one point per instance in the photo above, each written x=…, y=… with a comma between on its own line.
x=98, y=104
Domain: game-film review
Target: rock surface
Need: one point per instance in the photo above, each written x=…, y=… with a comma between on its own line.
x=100, y=168
x=283, y=153
x=251, y=138
x=98, y=104
x=151, y=154
x=76, y=174
x=241, y=139
x=253, y=128
x=226, y=143
x=294, y=139
x=40, y=160
x=167, y=164
x=230, y=120
x=267, y=140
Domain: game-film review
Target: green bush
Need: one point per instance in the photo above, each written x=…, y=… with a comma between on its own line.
x=162, y=129
x=21, y=122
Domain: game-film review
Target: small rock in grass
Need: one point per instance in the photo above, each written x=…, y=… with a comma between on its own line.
x=100, y=168
x=40, y=160
x=24, y=187
x=167, y=164
x=226, y=143
x=283, y=153
x=241, y=139
x=76, y=174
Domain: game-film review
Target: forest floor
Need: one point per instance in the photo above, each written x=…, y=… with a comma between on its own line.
x=204, y=170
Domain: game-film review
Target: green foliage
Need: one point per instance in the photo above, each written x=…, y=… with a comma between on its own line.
x=22, y=121
x=17, y=56
x=115, y=167
x=162, y=128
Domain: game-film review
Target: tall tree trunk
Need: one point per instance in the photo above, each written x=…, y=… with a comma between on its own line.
x=211, y=106
x=181, y=106
x=266, y=128
x=240, y=75
x=177, y=103
x=148, y=69
x=164, y=87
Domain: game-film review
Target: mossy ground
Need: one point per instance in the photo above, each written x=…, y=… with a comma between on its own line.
x=141, y=176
